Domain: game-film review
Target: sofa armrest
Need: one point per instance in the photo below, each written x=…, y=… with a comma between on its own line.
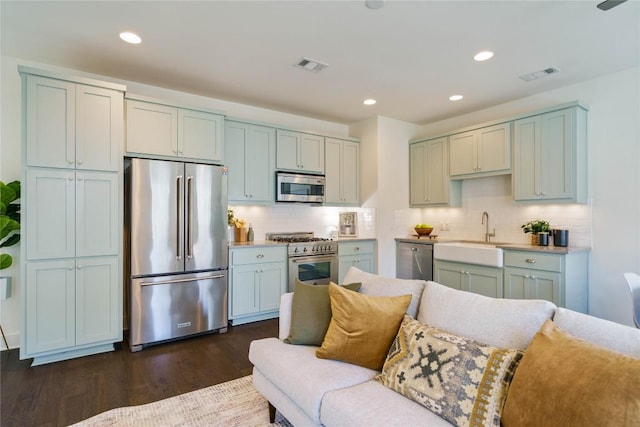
x=286, y=300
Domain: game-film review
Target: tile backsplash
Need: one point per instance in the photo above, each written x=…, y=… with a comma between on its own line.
x=493, y=195
x=323, y=221
x=490, y=194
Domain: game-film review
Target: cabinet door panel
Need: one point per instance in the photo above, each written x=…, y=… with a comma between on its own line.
x=350, y=172
x=287, y=150
x=260, y=163
x=526, y=182
x=152, y=128
x=312, y=153
x=463, y=154
x=97, y=214
x=485, y=283
x=99, y=128
x=244, y=291
x=556, y=155
x=494, y=148
x=50, y=122
x=437, y=172
x=237, y=143
x=515, y=283
x=200, y=135
x=333, y=171
x=449, y=275
x=50, y=212
x=417, y=173
x=272, y=283
x=546, y=286
x=97, y=284
x=50, y=306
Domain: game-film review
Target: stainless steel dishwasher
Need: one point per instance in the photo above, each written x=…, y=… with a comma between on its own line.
x=414, y=260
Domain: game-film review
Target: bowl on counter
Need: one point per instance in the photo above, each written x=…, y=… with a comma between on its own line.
x=423, y=231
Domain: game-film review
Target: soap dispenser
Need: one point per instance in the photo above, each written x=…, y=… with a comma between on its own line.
x=250, y=233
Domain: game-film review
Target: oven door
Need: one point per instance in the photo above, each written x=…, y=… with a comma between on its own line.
x=313, y=270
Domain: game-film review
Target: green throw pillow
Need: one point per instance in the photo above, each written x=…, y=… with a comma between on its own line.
x=311, y=313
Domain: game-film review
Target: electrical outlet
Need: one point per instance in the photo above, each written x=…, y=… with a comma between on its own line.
x=5, y=288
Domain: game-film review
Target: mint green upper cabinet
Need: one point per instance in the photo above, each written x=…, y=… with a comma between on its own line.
x=165, y=130
x=301, y=152
x=480, y=152
x=342, y=172
x=70, y=125
x=429, y=182
x=250, y=153
x=550, y=157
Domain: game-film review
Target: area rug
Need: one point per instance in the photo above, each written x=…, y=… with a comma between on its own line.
x=234, y=403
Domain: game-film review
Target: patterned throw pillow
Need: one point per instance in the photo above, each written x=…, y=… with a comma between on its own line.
x=462, y=381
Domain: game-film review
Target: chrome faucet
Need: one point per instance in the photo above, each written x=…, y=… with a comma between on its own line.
x=485, y=221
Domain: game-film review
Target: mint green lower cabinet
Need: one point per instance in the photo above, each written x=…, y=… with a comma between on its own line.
x=257, y=279
x=72, y=308
x=478, y=279
x=559, y=278
x=357, y=253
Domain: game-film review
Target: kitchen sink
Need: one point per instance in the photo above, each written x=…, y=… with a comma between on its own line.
x=470, y=251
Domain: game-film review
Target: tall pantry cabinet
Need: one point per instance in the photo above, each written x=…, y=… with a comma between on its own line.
x=71, y=288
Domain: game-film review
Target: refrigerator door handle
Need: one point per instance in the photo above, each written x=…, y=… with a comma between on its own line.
x=193, y=279
x=180, y=216
x=190, y=217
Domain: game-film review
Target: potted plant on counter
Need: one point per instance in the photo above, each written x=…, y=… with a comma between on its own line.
x=535, y=227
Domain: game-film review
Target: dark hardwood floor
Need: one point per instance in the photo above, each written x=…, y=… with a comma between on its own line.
x=62, y=393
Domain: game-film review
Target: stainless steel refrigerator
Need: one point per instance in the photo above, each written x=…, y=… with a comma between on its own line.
x=176, y=238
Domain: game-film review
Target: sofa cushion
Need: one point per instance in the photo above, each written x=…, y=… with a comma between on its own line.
x=505, y=323
x=311, y=313
x=301, y=376
x=613, y=336
x=566, y=381
x=362, y=327
x=460, y=380
x=373, y=405
x=375, y=285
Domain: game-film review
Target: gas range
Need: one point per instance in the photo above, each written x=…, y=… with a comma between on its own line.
x=304, y=243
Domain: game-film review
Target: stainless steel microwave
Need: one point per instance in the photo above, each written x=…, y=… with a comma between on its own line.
x=299, y=188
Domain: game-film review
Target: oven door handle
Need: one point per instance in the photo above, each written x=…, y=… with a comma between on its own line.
x=314, y=258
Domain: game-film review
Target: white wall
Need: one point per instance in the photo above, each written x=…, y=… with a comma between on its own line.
x=614, y=186
x=384, y=141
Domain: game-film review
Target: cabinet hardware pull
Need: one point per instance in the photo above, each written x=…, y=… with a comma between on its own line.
x=260, y=256
x=530, y=260
x=414, y=249
x=357, y=248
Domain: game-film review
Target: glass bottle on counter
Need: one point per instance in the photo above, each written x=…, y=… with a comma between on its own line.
x=250, y=233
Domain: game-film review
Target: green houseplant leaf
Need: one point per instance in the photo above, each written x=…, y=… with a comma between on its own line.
x=9, y=219
x=536, y=226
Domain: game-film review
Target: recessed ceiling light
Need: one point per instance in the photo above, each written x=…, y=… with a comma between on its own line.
x=130, y=37
x=369, y=101
x=483, y=56
x=455, y=97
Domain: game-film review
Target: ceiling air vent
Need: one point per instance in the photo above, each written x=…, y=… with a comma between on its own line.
x=311, y=65
x=539, y=74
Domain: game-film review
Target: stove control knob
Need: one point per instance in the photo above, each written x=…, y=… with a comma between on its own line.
x=304, y=250
x=295, y=251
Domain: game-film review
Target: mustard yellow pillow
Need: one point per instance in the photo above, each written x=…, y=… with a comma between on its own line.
x=362, y=327
x=565, y=381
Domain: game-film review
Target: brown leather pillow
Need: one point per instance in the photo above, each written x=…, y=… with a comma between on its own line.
x=362, y=327
x=565, y=381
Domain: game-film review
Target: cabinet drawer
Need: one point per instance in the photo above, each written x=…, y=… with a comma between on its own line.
x=258, y=255
x=533, y=260
x=354, y=248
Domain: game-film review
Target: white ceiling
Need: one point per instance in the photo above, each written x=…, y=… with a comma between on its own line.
x=409, y=55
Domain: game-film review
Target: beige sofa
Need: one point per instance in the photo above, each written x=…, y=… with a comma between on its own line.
x=312, y=391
